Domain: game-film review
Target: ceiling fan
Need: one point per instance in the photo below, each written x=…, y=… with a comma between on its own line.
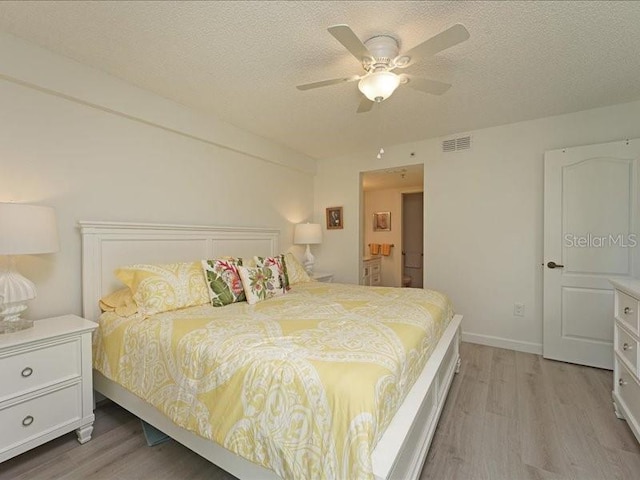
x=379, y=56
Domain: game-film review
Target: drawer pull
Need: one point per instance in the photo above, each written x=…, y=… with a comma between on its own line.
x=27, y=372
x=26, y=421
x=628, y=310
x=626, y=346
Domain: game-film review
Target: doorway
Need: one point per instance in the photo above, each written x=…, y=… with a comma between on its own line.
x=412, y=239
x=383, y=197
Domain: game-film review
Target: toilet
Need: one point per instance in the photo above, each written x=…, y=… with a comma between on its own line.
x=406, y=281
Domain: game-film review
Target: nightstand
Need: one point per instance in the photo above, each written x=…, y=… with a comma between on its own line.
x=323, y=277
x=45, y=384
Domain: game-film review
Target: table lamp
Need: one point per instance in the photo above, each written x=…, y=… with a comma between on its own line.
x=24, y=230
x=308, y=234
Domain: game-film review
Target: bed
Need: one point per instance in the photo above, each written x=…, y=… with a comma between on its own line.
x=403, y=440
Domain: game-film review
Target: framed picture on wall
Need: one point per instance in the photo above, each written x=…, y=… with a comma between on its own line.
x=382, y=222
x=334, y=218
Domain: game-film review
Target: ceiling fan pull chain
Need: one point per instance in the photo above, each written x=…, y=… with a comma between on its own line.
x=380, y=130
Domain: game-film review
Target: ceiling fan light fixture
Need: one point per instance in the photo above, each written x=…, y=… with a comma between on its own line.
x=379, y=86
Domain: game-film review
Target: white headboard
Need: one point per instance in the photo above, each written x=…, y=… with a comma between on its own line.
x=109, y=245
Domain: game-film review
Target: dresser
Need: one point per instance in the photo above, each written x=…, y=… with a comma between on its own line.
x=45, y=384
x=371, y=271
x=626, y=340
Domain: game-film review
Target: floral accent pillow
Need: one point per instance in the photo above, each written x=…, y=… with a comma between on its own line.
x=261, y=283
x=223, y=280
x=277, y=262
x=162, y=288
x=295, y=271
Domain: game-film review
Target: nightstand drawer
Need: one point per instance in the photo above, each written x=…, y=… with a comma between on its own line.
x=41, y=366
x=375, y=268
x=628, y=389
x=27, y=420
x=627, y=347
x=627, y=310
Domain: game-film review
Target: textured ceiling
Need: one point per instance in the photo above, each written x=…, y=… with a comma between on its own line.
x=242, y=60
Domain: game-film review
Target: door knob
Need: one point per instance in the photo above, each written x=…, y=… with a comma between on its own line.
x=554, y=265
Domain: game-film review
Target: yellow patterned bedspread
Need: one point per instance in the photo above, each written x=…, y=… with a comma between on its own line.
x=303, y=384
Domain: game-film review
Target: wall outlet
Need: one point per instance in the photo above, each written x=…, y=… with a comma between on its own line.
x=518, y=309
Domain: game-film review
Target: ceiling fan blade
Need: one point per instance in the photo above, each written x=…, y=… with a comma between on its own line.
x=326, y=83
x=434, y=87
x=365, y=105
x=448, y=38
x=350, y=41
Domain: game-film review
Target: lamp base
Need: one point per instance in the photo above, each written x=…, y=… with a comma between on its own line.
x=12, y=326
x=308, y=261
x=15, y=290
x=10, y=312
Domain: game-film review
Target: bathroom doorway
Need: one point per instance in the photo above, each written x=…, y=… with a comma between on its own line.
x=412, y=239
x=383, y=194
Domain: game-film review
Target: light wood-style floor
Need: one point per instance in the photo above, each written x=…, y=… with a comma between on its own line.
x=509, y=416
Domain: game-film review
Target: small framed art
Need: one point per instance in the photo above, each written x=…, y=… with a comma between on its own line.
x=382, y=222
x=334, y=218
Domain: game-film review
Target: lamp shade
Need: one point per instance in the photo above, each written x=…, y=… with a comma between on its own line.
x=379, y=85
x=307, y=233
x=27, y=229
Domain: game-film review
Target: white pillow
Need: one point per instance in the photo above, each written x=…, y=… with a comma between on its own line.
x=295, y=270
x=261, y=283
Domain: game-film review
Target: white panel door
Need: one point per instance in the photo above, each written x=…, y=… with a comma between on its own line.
x=590, y=225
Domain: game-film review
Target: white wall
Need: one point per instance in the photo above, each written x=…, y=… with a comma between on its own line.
x=148, y=160
x=483, y=216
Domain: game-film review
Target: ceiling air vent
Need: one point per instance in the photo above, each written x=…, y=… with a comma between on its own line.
x=449, y=145
x=453, y=144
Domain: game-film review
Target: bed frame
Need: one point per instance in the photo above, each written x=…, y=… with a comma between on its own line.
x=401, y=451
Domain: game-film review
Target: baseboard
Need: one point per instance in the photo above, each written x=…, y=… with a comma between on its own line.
x=517, y=345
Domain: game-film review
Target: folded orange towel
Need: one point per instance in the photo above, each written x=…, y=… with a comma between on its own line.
x=374, y=248
x=386, y=249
